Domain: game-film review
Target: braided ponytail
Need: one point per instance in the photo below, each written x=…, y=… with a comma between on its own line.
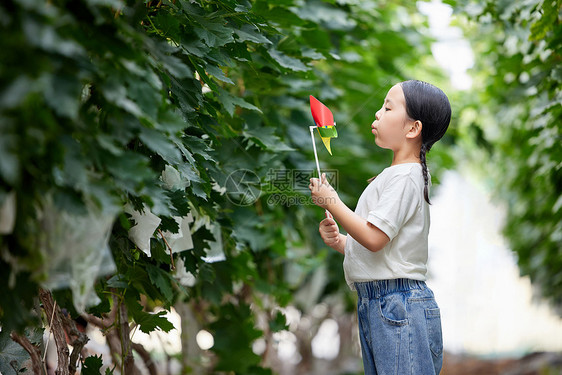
x=425, y=172
x=429, y=105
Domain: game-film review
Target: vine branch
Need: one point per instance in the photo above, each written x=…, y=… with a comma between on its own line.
x=79, y=340
x=31, y=349
x=169, y=248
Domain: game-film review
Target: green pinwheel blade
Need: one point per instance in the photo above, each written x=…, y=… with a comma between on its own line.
x=328, y=132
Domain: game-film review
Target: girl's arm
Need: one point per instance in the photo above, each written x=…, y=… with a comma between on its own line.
x=360, y=229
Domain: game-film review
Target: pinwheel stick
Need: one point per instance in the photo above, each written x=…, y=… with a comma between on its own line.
x=327, y=213
x=314, y=147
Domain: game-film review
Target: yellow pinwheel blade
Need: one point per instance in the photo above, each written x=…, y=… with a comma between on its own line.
x=327, y=144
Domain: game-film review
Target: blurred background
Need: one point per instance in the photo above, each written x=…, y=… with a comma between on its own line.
x=154, y=158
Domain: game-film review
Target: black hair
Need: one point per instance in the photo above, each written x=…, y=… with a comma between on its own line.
x=429, y=105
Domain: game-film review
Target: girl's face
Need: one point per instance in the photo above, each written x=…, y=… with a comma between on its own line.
x=390, y=122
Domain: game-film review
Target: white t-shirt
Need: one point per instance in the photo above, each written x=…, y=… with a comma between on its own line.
x=395, y=204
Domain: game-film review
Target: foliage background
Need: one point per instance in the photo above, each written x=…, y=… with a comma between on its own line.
x=510, y=126
x=98, y=97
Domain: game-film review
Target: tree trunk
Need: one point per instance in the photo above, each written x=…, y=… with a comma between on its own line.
x=189, y=348
x=126, y=348
x=56, y=327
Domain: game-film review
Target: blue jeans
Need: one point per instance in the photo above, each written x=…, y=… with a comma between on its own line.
x=399, y=327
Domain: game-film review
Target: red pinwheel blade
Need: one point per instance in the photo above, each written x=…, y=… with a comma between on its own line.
x=320, y=113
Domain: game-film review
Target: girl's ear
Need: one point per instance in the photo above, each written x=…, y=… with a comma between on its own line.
x=415, y=129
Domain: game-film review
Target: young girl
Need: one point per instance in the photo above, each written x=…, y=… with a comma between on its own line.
x=386, y=245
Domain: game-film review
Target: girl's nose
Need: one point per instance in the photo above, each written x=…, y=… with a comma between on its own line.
x=378, y=114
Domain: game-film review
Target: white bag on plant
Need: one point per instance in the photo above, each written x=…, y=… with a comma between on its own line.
x=75, y=250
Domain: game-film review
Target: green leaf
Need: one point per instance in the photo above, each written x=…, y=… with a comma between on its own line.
x=12, y=355
x=92, y=365
x=161, y=280
x=287, y=62
x=161, y=144
x=46, y=37
x=144, y=95
x=118, y=281
x=234, y=335
x=230, y=102
x=263, y=137
x=214, y=34
x=545, y=23
x=180, y=202
x=129, y=168
x=103, y=307
x=14, y=93
x=266, y=139
x=278, y=323
x=318, y=38
x=196, y=47
x=280, y=15
x=251, y=232
x=201, y=190
x=62, y=94
x=168, y=24
x=218, y=74
x=150, y=322
x=252, y=34
x=187, y=93
x=163, y=53
x=196, y=146
x=147, y=321
x=331, y=17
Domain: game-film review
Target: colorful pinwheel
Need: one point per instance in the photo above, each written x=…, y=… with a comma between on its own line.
x=324, y=121
x=326, y=128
